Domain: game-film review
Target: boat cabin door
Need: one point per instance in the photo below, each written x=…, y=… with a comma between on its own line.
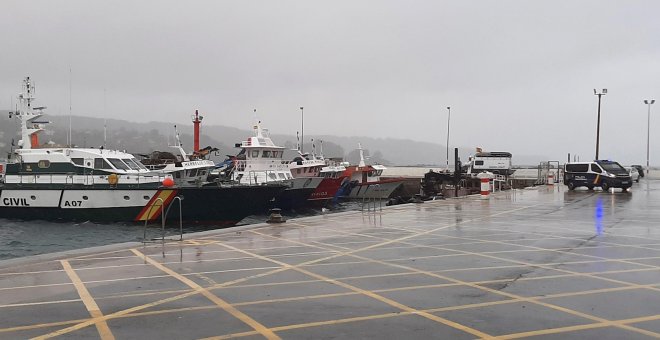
x=364, y=177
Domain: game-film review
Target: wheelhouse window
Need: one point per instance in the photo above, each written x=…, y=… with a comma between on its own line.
x=118, y=164
x=266, y=154
x=100, y=163
x=78, y=161
x=255, y=154
x=131, y=164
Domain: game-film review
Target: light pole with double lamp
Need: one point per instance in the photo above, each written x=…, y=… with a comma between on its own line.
x=599, y=94
x=648, y=132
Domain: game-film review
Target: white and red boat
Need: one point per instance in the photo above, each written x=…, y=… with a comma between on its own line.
x=305, y=165
x=366, y=181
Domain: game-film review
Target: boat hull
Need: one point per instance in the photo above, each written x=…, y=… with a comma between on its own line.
x=326, y=191
x=379, y=189
x=298, y=194
x=221, y=206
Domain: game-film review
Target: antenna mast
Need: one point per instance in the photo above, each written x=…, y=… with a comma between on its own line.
x=69, y=136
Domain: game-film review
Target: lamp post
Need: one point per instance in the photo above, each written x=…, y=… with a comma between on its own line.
x=648, y=132
x=448, y=119
x=599, y=94
x=302, y=131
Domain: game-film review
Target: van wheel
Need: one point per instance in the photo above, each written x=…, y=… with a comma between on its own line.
x=590, y=187
x=605, y=186
x=570, y=185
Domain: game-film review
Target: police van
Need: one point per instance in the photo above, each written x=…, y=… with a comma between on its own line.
x=601, y=173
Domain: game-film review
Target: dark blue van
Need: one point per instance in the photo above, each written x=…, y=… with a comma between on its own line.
x=601, y=173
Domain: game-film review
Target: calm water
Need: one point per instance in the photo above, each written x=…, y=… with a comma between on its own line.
x=26, y=238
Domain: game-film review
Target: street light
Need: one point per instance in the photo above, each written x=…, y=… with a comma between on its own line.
x=599, y=94
x=302, y=131
x=648, y=131
x=448, y=119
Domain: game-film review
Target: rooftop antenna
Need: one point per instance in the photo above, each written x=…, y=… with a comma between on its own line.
x=70, y=142
x=298, y=141
x=105, y=121
x=321, y=149
x=302, y=129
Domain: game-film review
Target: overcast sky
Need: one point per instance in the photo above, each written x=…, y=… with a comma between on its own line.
x=518, y=75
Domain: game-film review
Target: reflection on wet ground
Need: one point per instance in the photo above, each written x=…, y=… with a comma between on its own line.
x=541, y=262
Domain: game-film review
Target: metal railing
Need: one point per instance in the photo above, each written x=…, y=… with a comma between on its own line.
x=72, y=179
x=163, y=218
x=370, y=201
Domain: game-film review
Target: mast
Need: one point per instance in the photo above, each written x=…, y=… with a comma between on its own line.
x=179, y=146
x=27, y=116
x=197, y=119
x=362, y=163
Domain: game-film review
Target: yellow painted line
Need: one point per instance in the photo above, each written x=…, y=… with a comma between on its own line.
x=88, y=301
x=41, y=325
x=585, y=327
x=372, y=295
x=473, y=285
x=229, y=283
x=215, y=299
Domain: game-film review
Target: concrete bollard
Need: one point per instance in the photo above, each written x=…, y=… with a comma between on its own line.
x=485, y=184
x=551, y=178
x=275, y=216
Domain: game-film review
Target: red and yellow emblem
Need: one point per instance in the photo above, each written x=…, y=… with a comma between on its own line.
x=152, y=210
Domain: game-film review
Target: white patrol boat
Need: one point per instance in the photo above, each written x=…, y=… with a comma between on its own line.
x=87, y=184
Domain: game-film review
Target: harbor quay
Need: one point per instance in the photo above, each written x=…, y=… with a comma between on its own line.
x=542, y=263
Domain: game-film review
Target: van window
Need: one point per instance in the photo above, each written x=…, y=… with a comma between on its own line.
x=478, y=162
x=595, y=168
x=577, y=167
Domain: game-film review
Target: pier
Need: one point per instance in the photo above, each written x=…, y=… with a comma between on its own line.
x=539, y=262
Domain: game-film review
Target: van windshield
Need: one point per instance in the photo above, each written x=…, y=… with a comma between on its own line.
x=613, y=167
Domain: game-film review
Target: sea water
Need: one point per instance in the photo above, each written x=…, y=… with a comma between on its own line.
x=26, y=238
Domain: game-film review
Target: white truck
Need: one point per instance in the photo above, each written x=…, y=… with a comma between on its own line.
x=497, y=162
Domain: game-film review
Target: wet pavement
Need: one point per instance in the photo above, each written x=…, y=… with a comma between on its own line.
x=542, y=263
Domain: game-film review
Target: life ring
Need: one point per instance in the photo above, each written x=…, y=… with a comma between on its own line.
x=113, y=179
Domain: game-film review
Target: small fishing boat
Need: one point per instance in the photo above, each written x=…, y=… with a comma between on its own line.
x=260, y=161
x=366, y=182
x=306, y=166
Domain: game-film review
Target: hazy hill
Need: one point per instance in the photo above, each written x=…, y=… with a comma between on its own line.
x=142, y=138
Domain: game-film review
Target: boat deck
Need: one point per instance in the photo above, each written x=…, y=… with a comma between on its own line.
x=542, y=263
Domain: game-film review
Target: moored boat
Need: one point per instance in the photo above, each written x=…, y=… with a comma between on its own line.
x=67, y=183
x=260, y=161
x=366, y=182
x=307, y=166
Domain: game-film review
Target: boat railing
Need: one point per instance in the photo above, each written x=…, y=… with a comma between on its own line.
x=263, y=176
x=87, y=180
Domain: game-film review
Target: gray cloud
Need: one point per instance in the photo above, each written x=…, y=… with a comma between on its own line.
x=519, y=75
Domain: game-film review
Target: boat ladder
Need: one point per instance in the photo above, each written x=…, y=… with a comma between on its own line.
x=163, y=218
